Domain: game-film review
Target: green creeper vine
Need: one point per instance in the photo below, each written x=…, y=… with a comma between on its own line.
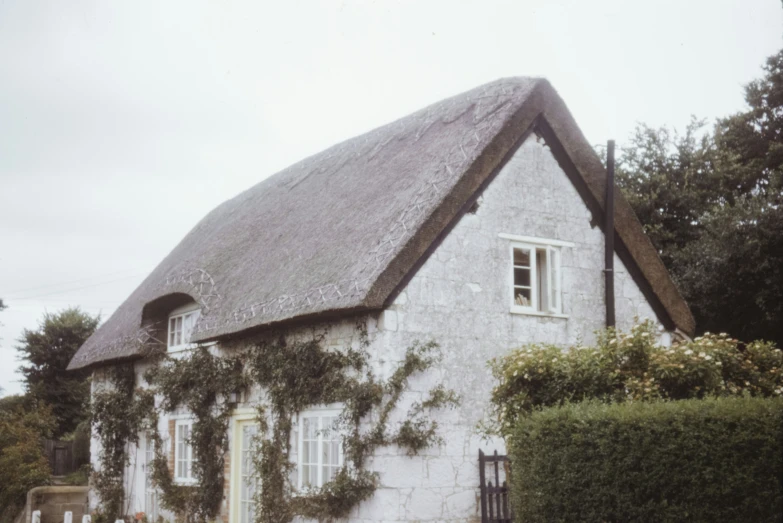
x=117, y=417
x=293, y=375
x=301, y=374
x=202, y=383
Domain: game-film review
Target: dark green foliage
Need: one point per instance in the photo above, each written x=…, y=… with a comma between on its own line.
x=711, y=205
x=201, y=383
x=117, y=417
x=46, y=353
x=692, y=460
x=23, y=464
x=338, y=497
x=733, y=274
x=632, y=367
x=81, y=443
x=670, y=181
x=81, y=477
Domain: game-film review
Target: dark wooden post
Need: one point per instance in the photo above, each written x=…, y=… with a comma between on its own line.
x=483, y=487
x=497, y=483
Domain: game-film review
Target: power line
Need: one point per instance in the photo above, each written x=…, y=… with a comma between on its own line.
x=72, y=289
x=48, y=286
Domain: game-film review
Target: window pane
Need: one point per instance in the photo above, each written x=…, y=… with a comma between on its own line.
x=186, y=322
x=172, y=327
x=306, y=476
x=326, y=473
x=522, y=297
x=188, y=325
x=522, y=277
x=522, y=257
x=542, y=275
x=335, y=452
x=325, y=453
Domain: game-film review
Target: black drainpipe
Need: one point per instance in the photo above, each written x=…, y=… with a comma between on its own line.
x=609, y=235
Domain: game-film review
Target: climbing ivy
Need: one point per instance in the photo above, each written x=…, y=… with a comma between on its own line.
x=299, y=374
x=201, y=383
x=117, y=417
x=293, y=375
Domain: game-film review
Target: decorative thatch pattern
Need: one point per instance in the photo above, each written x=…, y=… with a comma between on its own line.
x=340, y=230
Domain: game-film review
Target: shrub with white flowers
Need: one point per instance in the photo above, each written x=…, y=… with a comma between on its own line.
x=632, y=366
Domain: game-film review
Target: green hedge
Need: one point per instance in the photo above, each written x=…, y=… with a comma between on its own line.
x=691, y=460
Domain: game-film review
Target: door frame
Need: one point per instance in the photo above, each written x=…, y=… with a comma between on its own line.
x=239, y=417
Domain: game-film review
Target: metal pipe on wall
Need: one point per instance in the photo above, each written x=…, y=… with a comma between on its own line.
x=609, y=236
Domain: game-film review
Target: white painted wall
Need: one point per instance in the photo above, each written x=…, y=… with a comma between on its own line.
x=461, y=299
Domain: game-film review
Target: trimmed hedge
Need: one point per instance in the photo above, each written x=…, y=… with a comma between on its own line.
x=691, y=460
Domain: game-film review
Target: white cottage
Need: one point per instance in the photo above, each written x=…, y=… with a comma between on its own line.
x=476, y=222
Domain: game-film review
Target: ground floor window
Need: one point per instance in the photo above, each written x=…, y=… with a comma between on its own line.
x=183, y=452
x=319, y=451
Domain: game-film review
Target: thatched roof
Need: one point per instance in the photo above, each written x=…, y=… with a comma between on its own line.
x=340, y=231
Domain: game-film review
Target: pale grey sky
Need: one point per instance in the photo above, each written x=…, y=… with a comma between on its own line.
x=123, y=123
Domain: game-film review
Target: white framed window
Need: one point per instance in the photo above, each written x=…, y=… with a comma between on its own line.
x=535, y=275
x=183, y=452
x=181, y=324
x=319, y=450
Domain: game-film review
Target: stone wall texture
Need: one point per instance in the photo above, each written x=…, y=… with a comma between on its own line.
x=461, y=299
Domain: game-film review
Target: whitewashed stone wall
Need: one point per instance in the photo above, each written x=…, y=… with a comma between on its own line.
x=461, y=298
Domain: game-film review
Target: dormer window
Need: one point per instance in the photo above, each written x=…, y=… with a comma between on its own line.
x=181, y=323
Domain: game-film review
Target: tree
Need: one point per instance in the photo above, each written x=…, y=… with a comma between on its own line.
x=751, y=142
x=22, y=460
x=47, y=351
x=712, y=204
x=670, y=181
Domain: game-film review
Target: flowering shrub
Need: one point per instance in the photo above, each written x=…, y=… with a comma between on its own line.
x=626, y=367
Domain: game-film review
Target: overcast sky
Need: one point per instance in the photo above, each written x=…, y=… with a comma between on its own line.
x=123, y=123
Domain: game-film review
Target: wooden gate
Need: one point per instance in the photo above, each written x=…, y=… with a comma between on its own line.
x=60, y=455
x=494, y=495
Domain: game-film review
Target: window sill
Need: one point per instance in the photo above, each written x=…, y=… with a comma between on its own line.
x=527, y=312
x=180, y=348
x=189, y=346
x=189, y=482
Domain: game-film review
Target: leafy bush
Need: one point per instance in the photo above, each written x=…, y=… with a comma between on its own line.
x=79, y=477
x=693, y=460
x=632, y=367
x=81, y=444
x=22, y=459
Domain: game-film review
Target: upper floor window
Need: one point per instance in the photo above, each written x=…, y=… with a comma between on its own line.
x=181, y=323
x=319, y=455
x=536, y=275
